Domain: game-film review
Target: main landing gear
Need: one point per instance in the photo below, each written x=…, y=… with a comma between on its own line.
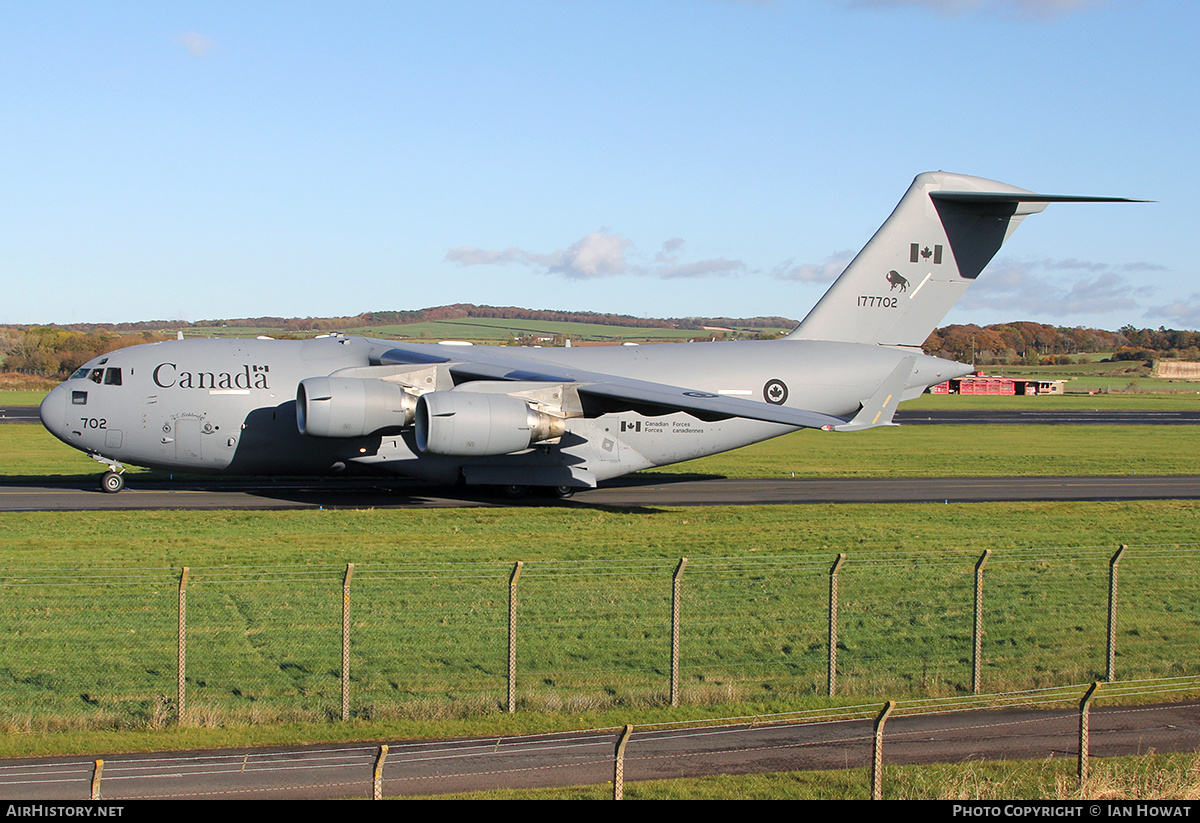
x=517, y=492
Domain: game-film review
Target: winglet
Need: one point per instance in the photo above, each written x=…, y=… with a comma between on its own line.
x=881, y=408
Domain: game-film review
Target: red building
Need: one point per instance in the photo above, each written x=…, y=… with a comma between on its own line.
x=980, y=383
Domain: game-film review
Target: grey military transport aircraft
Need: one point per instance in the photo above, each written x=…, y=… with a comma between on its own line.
x=553, y=419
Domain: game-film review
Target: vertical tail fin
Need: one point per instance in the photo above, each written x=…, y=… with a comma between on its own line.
x=943, y=233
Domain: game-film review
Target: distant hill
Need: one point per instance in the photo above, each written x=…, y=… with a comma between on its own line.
x=450, y=312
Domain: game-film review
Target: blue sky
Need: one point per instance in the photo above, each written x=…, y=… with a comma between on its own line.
x=698, y=157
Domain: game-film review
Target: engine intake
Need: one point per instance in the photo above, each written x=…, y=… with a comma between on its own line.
x=478, y=424
x=351, y=406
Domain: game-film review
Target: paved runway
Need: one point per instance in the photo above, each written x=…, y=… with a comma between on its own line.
x=1048, y=417
x=644, y=489
x=19, y=414
x=636, y=491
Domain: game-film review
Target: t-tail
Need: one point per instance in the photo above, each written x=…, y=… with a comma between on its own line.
x=943, y=233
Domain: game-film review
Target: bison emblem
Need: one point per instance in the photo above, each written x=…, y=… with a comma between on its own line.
x=896, y=279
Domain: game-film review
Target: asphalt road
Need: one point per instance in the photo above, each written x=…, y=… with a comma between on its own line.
x=414, y=768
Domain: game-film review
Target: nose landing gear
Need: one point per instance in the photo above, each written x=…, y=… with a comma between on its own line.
x=113, y=480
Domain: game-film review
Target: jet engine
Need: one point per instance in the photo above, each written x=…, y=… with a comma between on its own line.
x=477, y=424
x=351, y=406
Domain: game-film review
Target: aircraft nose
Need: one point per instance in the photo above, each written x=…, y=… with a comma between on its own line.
x=53, y=411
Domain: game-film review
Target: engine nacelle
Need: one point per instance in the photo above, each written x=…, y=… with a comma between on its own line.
x=351, y=406
x=479, y=424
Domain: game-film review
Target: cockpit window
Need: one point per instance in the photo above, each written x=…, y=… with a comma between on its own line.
x=81, y=372
x=97, y=375
x=112, y=377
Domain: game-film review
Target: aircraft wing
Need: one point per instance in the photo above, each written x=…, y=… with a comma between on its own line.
x=655, y=398
x=603, y=393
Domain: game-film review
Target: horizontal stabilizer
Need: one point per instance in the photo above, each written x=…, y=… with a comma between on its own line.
x=1024, y=197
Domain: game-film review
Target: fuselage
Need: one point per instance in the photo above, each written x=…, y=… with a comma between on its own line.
x=229, y=405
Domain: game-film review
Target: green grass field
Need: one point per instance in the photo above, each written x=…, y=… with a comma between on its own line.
x=21, y=398
x=429, y=592
x=89, y=600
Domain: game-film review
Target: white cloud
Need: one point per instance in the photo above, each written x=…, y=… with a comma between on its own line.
x=1040, y=9
x=600, y=254
x=1103, y=294
x=1041, y=288
x=1182, y=314
x=667, y=264
x=596, y=255
x=824, y=272
x=197, y=44
x=670, y=250
x=466, y=256
x=1070, y=264
x=717, y=267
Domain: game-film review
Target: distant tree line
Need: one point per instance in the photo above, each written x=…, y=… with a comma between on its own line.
x=56, y=352
x=59, y=350
x=1033, y=343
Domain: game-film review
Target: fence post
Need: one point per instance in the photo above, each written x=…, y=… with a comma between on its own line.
x=346, y=641
x=1112, y=613
x=676, y=586
x=181, y=683
x=97, y=771
x=976, y=661
x=1084, y=709
x=877, y=752
x=831, y=675
x=619, y=763
x=377, y=774
x=512, y=636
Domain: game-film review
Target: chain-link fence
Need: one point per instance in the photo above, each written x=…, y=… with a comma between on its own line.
x=129, y=647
